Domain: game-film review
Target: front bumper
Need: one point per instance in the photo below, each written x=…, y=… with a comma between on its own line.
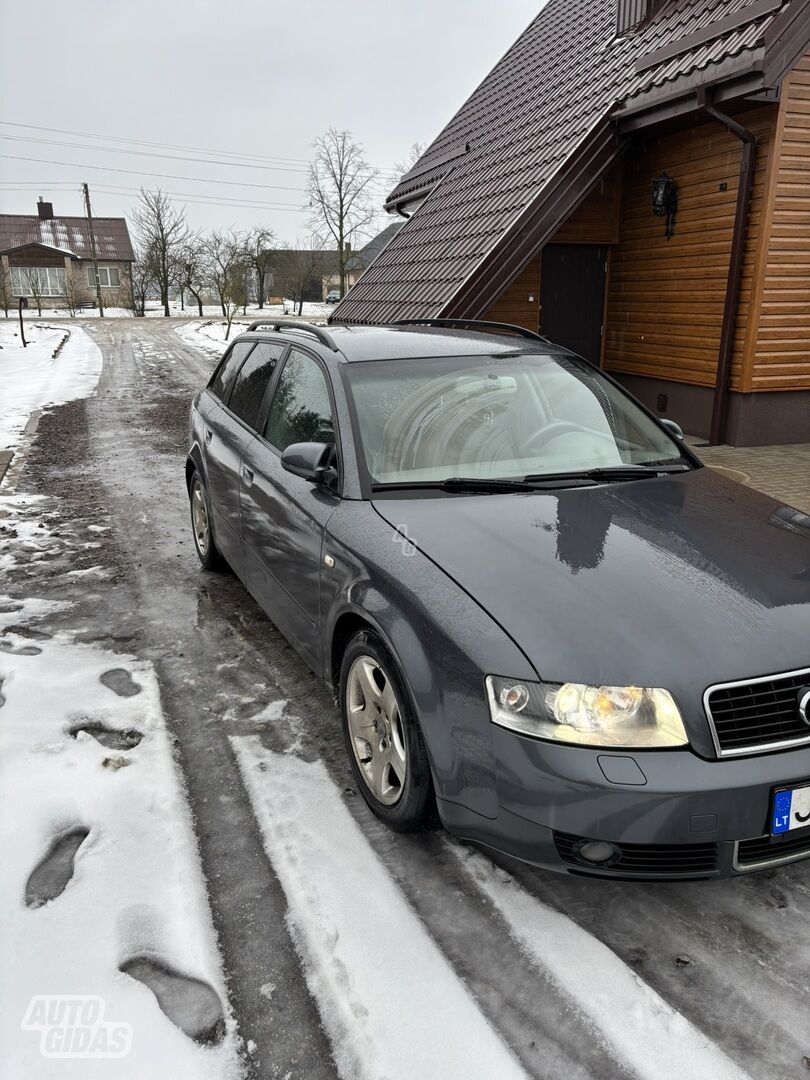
x=672, y=814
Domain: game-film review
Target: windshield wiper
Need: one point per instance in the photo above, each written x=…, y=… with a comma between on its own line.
x=606, y=474
x=460, y=483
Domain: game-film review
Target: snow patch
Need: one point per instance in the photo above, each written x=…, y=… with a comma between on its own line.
x=32, y=379
x=389, y=1000
x=653, y=1038
x=132, y=888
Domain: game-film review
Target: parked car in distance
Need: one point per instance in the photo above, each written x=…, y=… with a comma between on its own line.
x=545, y=621
x=333, y=296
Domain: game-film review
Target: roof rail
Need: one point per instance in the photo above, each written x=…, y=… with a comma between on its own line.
x=473, y=324
x=322, y=335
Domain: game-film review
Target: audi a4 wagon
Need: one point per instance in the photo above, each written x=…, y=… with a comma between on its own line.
x=545, y=622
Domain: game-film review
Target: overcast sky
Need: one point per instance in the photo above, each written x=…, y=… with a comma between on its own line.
x=245, y=77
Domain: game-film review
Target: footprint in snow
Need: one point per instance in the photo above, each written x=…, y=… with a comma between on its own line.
x=112, y=738
x=52, y=874
x=190, y=1004
x=19, y=650
x=28, y=632
x=120, y=682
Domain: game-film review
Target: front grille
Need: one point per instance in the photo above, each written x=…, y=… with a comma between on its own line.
x=644, y=859
x=767, y=851
x=758, y=714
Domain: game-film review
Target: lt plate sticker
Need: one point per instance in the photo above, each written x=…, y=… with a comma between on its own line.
x=791, y=810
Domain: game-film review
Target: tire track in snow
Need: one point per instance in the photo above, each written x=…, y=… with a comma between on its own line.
x=390, y=1001
x=646, y=1032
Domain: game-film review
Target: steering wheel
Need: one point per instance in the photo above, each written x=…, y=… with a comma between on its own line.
x=539, y=438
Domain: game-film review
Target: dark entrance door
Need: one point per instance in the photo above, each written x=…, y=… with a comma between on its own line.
x=572, y=297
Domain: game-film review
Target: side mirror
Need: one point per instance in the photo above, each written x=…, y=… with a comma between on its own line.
x=672, y=428
x=311, y=461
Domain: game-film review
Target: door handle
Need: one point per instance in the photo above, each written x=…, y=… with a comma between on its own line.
x=247, y=474
x=208, y=435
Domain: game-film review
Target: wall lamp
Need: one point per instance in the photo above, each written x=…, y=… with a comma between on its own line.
x=665, y=201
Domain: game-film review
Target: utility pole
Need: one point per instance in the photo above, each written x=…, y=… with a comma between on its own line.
x=89, y=213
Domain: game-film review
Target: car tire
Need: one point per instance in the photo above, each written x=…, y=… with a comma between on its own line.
x=204, y=544
x=384, y=742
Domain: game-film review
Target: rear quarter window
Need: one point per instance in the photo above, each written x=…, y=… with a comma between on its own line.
x=224, y=375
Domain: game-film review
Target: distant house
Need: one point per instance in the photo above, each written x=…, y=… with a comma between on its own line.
x=632, y=179
x=300, y=274
x=52, y=256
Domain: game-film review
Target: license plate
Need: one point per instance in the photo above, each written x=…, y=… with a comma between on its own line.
x=791, y=809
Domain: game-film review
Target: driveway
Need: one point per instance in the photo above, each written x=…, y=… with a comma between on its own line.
x=349, y=950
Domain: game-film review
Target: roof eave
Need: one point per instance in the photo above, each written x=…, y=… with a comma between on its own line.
x=38, y=244
x=735, y=78
x=537, y=223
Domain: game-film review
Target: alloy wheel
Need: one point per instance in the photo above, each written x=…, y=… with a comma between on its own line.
x=199, y=517
x=376, y=729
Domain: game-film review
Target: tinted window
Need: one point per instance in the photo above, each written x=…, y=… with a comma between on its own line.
x=251, y=382
x=301, y=410
x=223, y=376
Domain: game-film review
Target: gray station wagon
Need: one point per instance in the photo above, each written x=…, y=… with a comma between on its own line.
x=547, y=624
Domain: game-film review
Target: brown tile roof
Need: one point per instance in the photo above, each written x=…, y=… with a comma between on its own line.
x=68, y=234
x=498, y=174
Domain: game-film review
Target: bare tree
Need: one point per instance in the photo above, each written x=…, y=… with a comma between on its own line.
x=341, y=184
x=35, y=285
x=259, y=249
x=140, y=282
x=6, y=290
x=194, y=271
x=226, y=272
x=76, y=291
x=163, y=232
x=414, y=154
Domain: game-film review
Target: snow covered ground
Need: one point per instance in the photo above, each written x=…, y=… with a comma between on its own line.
x=349, y=921
x=30, y=378
x=104, y=905
x=155, y=311
x=209, y=334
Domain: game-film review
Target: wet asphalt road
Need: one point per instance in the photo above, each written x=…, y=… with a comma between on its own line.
x=733, y=957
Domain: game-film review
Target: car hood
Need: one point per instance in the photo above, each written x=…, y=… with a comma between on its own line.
x=678, y=582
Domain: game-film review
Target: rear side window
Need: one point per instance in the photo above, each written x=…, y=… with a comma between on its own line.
x=301, y=410
x=251, y=381
x=229, y=365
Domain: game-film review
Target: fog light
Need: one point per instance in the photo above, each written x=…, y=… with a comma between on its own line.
x=599, y=852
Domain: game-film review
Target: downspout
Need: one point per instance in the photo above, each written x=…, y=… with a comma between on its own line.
x=748, y=166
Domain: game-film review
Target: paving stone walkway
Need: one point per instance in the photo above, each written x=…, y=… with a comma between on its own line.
x=780, y=471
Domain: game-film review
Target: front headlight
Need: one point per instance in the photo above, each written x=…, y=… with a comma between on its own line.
x=611, y=716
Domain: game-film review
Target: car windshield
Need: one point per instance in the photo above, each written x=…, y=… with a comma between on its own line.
x=497, y=417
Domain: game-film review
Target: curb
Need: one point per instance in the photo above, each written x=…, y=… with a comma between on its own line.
x=6, y=458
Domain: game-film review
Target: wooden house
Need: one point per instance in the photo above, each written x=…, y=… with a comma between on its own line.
x=632, y=180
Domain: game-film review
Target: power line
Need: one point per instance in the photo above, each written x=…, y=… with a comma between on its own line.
x=148, y=153
x=194, y=201
x=274, y=163
x=162, y=146
x=141, y=172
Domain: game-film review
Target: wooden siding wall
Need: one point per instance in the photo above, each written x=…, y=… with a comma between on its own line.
x=665, y=297
x=595, y=221
x=33, y=256
x=778, y=353
x=519, y=304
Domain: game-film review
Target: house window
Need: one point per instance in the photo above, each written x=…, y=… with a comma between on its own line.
x=38, y=280
x=108, y=277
